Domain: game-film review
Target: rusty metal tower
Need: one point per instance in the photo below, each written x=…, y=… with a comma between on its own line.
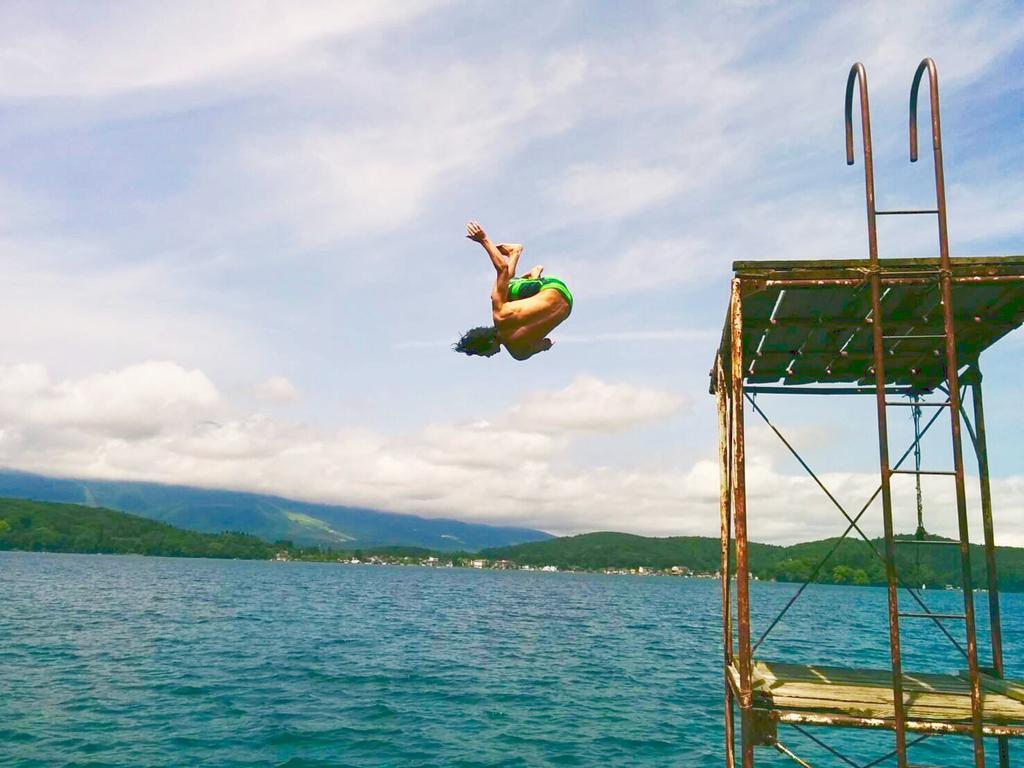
x=889, y=328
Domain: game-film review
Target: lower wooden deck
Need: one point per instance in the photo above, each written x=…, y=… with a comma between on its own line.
x=819, y=695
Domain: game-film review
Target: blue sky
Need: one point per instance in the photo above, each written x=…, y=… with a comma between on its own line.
x=231, y=236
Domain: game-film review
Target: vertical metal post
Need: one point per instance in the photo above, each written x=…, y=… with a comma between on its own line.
x=725, y=507
x=739, y=503
x=995, y=622
x=859, y=76
x=952, y=377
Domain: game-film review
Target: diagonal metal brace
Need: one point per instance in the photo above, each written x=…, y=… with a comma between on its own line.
x=852, y=526
x=893, y=753
x=824, y=746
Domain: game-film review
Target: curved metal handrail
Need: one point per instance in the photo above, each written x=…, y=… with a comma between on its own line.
x=933, y=88
x=928, y=65
x=858, y=75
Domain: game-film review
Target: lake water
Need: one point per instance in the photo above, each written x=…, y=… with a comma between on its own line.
x=131, y=661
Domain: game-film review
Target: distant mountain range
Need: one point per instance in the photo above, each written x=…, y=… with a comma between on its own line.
x=271, y=518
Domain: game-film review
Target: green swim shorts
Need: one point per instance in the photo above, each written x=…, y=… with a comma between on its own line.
x=525, y=287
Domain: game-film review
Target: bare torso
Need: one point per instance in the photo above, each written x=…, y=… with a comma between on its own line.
x=523, y=325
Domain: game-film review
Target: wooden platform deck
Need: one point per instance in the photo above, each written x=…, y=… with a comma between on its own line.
x=819, y=695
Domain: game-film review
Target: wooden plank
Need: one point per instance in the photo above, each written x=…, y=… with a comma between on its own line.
x=919, y=726
x=1013, y=689
x=876, y=677
x=872, y=709
x=955, y=705
x=867, y=693
x=1005, y=705
x=864, y=709
x=734, y=679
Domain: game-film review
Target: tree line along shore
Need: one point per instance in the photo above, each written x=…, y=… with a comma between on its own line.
x=51, y=527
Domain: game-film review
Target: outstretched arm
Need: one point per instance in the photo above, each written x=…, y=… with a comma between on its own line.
x=476, y=233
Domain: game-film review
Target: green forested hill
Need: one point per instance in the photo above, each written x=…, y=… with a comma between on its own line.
x=852, y=563
x=47, y=527
x=625, y=550
x=929, y=564
x=52, y=527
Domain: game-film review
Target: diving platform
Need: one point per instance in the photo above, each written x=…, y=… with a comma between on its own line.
x=810, y=322
x=907, y=335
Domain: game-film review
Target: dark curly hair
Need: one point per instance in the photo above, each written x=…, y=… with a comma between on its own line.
x=482, y=341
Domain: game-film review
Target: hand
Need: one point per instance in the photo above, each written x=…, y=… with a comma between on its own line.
x=475, y=232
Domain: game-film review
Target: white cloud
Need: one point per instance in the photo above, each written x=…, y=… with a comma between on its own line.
x=77, y=314
x=20, y=209
x=160, y=422
x=668, y=334
x=277, y=389
x=137, y=402
x=124, y=48
x=592, y=405
x=641, y=266
x=981, y=211
x=327, y=182
x=592, y=191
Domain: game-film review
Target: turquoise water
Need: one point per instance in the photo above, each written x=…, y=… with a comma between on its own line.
x=131, y=661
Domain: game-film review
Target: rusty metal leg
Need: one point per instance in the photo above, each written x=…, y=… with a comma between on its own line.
x=739, y=503
x=858, y=76
x=981, y=450
x=725, y=506
x=890, y=547
x=952, y=378
x=962, y=524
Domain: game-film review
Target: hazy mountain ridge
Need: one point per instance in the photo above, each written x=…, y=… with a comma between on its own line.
x=271, y=518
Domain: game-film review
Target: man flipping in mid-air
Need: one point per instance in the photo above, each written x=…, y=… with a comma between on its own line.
x=525, y=309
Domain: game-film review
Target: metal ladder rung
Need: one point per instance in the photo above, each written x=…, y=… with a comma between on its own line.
x=943, y=542
x=918, y=405
x=908, y=212
x=921, y=472
x=959, y=616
